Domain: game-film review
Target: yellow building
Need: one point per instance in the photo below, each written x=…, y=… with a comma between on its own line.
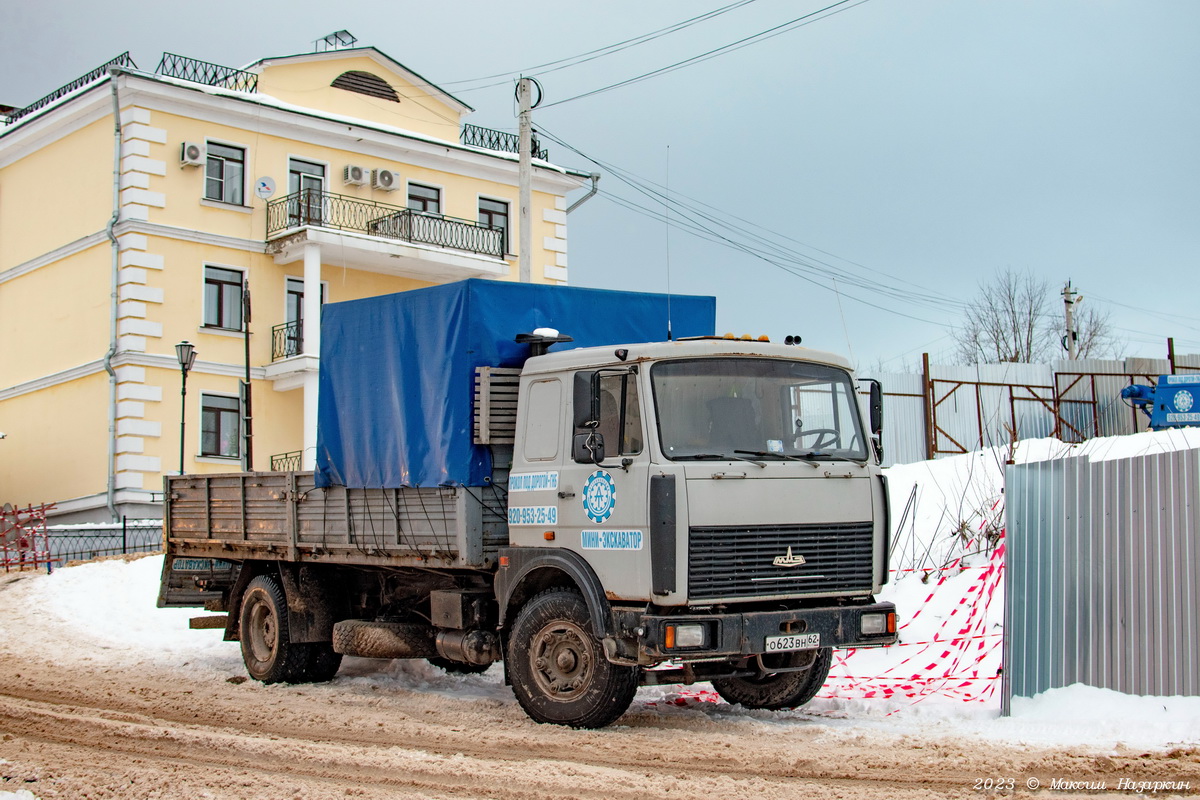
x=136, y=207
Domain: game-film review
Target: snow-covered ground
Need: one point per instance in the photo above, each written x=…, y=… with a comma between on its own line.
x=941, y=681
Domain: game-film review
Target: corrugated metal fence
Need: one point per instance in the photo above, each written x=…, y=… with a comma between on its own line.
x=1103, y=575
x=953, y=409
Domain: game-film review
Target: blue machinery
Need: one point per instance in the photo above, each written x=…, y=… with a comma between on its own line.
x=1173, y=403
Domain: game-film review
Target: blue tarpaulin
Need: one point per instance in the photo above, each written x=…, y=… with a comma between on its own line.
x=397, y=372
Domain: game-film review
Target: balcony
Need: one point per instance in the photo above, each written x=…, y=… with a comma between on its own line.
x=488, y=139
x=378, y=237
x=287, y=340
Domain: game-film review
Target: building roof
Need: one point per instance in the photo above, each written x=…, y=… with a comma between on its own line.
x=375, y=54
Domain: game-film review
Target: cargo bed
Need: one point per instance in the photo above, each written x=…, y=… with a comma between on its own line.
x=281, y=516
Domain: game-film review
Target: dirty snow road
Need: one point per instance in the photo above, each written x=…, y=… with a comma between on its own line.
x=104, y=696
x=133, y=732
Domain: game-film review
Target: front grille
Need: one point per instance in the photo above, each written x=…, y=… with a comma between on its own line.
x=738, y=562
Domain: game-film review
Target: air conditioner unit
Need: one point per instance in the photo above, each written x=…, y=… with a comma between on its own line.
x=191, y=154
x=385, y=179
x=356, y=176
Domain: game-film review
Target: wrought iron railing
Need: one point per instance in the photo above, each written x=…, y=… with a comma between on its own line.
x=488, y=139
x=286, y=462
x=287, y=340
x=328, y=210
x=196, y=71
x=99, y=72
x=86, y=542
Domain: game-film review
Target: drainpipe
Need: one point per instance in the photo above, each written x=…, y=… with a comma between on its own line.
x=112, y=329
x=589, y=195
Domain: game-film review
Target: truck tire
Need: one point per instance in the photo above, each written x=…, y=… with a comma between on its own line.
x=368, y=639
x=268, y=652
x=458, y=667
x=557, y=666
x=323, y=662
x=780, y=690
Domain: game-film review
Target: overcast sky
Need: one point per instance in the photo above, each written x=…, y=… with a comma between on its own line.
x=894, y=155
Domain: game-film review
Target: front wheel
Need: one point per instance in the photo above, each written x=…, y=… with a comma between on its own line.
x=267, y=650
x=779, y=690
x=558, y=669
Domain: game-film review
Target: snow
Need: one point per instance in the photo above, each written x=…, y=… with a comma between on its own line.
x=957, y=504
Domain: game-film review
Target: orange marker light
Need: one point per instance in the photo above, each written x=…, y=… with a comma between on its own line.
x=548, y=536
x=669, y=639
x=892, y=622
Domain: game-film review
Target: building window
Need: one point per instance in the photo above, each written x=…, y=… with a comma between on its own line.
x=366, y=83
x=225, y=174
x=425, y=199
x=220, y=428
x=222, y=298
x=494, y=214
x=306, y=185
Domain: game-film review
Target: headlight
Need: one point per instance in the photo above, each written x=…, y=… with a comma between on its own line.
x=683, y=636
x=876, y=624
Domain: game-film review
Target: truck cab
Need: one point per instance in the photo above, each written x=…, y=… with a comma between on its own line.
x=717, y=504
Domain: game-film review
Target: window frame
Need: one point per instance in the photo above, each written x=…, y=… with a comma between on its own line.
x=239, y=185
x=437, y=190
x=506, y=240
x=205, y=408
x=218, y=313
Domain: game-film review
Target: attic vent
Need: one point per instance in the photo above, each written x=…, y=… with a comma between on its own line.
x=366, y=83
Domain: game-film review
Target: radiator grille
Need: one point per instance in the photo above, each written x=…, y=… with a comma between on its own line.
x=738, y=562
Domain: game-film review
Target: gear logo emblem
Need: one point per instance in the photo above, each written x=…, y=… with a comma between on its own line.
x=599, y=496
x=1184, y=401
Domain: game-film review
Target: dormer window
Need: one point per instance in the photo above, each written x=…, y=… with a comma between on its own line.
x=366, y=83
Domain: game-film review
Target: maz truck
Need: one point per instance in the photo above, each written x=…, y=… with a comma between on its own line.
x=599, y=510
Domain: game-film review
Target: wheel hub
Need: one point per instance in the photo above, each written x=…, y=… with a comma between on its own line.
x=562, y=660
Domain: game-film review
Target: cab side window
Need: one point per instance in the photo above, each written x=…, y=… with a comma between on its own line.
x=620, y=415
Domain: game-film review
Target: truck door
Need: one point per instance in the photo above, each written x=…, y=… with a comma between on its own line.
x=603, y=515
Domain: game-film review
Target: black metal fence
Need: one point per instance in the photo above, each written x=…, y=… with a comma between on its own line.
x=287, y=340
x=286, y=462
x=488, y=139
x=196, y=71
x=99, y=72
x=85, y=542
x=328, y=210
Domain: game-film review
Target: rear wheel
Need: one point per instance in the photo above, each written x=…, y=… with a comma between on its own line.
x=323, y=662
x=779, y=690
x=267, y=650
x=557, y=666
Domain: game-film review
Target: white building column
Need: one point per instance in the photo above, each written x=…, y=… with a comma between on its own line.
x=311, y=346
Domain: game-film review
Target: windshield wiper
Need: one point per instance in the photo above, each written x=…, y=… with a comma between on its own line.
x=720, y=456
x=812, y=455
x=772, y=454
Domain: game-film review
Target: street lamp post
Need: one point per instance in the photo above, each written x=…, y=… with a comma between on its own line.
x=185, y=351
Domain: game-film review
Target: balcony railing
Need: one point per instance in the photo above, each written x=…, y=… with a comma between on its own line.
x=488, y=139
x=196, y=71
x=286, y=462
x=99, y=72
x=328, y=210
x=287, y=340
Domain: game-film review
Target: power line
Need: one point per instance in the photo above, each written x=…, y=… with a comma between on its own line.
x=599, y=52
x=761, y=36
x=701, y=224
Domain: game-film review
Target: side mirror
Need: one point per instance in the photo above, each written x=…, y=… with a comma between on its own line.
x=587, y=400
x=876, y=407
x=587, y=447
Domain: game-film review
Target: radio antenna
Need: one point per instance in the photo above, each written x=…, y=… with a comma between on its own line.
x=667, y=220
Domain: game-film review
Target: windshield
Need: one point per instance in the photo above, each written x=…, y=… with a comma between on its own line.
x=756, y=407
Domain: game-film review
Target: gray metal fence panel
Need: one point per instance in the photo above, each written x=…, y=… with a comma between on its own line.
x=1102, y=575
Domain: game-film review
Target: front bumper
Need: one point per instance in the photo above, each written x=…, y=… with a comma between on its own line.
x=745, y=634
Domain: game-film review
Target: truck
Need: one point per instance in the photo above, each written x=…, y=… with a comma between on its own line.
x=542, y=476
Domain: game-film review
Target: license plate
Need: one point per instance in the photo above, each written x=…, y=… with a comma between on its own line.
x=799, y=641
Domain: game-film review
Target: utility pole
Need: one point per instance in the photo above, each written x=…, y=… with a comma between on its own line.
x=525, y=177
x=1069, y=301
